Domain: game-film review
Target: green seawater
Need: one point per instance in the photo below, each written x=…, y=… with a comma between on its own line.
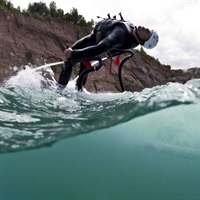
x=77, y=145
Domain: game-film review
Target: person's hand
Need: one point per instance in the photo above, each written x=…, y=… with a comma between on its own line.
x=68, y=53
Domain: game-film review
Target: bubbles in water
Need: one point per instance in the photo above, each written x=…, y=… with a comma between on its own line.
x=29, y=106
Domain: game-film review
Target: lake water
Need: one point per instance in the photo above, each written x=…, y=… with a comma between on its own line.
x=78, y=145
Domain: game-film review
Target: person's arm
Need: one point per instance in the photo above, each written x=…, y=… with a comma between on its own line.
x=81, y=43
x=116, y=38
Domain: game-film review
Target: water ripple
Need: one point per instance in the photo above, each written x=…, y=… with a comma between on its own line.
x=34, y=115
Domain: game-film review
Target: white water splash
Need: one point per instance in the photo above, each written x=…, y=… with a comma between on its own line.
x=26, y=78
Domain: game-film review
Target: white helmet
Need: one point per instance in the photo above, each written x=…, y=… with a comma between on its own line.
x=152, y=41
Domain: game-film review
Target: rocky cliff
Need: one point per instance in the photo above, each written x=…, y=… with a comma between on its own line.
x=25, y=39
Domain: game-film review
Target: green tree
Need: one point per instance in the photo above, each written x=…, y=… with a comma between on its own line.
x=38, y=8
x=18, y=8
x=52, y=8
x=7, y=5
x=74, y=16
x=3, y=3
x=54, y=12
x=67, y=17
x=82, y=21
x=90, y=24
x=60, y=14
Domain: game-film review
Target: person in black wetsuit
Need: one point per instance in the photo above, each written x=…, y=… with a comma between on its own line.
x=108, y=35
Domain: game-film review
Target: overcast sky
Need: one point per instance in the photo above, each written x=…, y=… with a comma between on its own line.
x=177, y=23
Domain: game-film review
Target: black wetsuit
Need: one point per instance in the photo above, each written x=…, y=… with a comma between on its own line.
x=108, y=35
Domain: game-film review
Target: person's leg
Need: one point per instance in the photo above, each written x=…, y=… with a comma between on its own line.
x=82, y=43
x=67, y=68
x=65, y=74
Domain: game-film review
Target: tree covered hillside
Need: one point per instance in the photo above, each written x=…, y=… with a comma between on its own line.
x=40, y=9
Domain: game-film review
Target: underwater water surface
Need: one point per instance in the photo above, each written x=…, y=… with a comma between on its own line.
x=79, y=145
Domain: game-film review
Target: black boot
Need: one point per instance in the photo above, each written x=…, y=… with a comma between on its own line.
x=65, y=73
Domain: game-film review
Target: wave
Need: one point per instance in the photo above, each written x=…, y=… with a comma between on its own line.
x=34, y=113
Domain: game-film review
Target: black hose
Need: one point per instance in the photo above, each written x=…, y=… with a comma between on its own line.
x=88, y=70
x=121, y=65
x=92, y=69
